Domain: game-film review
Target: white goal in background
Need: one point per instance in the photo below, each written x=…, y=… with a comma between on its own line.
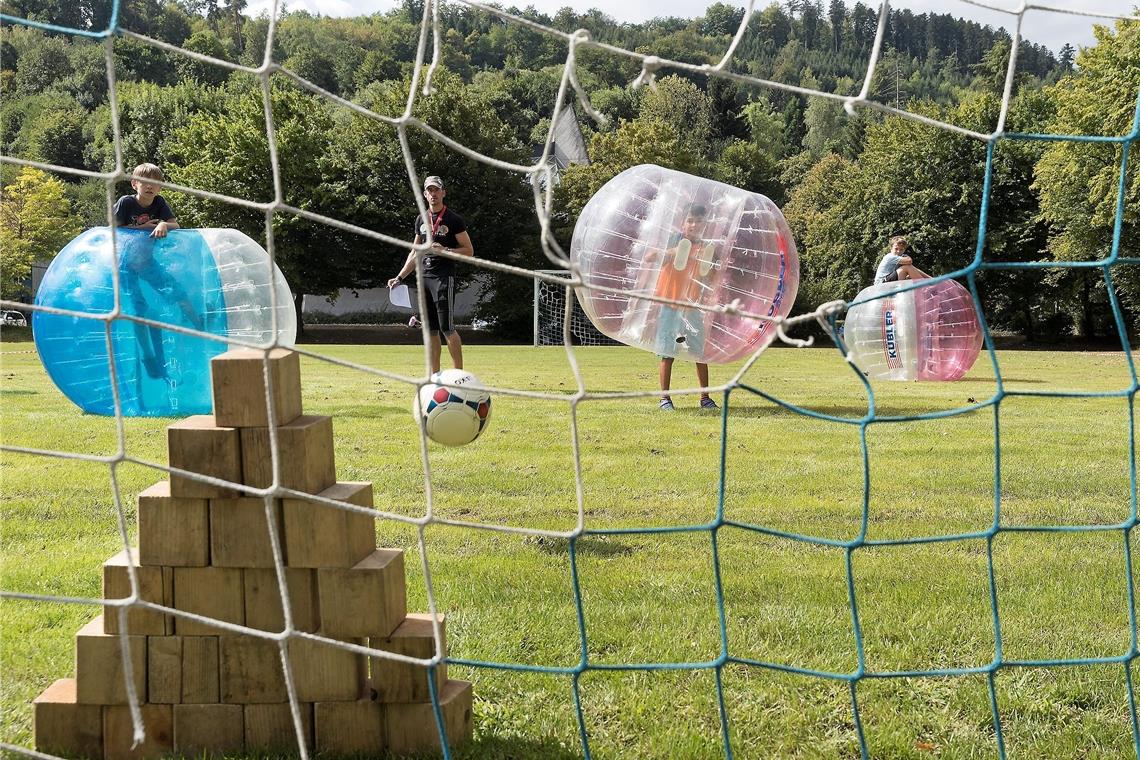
x=550, y=315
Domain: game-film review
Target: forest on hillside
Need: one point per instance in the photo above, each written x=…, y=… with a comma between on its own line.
x=845, y=184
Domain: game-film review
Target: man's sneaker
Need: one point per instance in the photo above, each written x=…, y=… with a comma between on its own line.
x=708, y=403
x=665, y=405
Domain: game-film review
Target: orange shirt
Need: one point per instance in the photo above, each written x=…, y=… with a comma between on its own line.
x=678, y=284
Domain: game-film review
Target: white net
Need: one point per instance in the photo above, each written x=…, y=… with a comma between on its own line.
x=567, y=329
x=550, y=316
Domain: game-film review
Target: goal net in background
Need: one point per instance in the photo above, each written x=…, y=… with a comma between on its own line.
x=551, y=321
x=573, y=329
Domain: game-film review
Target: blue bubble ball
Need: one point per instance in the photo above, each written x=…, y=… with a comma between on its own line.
x=217, y=281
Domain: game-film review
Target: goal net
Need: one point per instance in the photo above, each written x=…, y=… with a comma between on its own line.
x=550, y=319
x=873, y=429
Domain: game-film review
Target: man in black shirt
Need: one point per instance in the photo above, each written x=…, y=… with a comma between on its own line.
x=447, y=233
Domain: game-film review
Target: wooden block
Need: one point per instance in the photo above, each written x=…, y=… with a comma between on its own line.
x=173, y=531
x=349, y=728
x=327, y=673
x=305, y=447
x=395, y=681
x=212, y=591
x=197, y=445
x=182, y=669
x=263, y=599
x=209, y=730
x=200, y=670
x=269, y=728
x=239, y=387
x=65, y=727
x=250, y=670
x=118, y=733
x=318, y=535
x=412, y=727
x=99, y=666
x=239, y=532
x=155, y=585
x=164, y=669
x=367, y=599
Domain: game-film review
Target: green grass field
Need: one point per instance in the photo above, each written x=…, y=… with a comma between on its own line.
x=651, y=598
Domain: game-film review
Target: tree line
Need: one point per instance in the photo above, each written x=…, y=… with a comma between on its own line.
x=845, y=184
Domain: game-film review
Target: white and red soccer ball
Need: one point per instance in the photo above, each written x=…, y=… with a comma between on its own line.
x=454, y=408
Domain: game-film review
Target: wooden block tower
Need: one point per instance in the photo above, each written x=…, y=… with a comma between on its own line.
x=205, y=548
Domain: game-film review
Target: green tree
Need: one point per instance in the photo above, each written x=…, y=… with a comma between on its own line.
x=926, y=183
x=208, y=43
x=366, y=182
x=148, y=113
x=43, y=66
x=641, y=141
x=1066, y=57
x=1079, y=181
x=58, y=138
x=88, y=81
x=746, y=165
x=766, y=127
x=721, y=19
x=681, y=105
x=47, y=127
x=35, y=223
x=316, y=66
x=228, y=153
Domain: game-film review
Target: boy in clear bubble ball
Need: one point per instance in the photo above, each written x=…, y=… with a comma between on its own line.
x=147, y=210
x=681, y=269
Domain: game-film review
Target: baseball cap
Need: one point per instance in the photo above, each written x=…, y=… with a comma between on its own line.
x=433, y=181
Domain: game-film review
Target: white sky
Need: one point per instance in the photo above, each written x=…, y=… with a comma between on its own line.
x=1047, y=28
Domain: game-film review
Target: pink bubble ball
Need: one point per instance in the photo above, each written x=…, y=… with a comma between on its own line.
x=929, y=333
x=629, y=237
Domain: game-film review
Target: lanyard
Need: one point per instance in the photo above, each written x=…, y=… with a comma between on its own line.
x=438, y=219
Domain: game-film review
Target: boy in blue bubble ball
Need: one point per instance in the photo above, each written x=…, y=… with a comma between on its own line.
x=147, y=210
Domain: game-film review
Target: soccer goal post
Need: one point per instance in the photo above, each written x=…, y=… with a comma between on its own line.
x=550, y=313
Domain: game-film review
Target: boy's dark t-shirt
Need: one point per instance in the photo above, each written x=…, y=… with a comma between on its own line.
x=129, y=211
x=447, y=225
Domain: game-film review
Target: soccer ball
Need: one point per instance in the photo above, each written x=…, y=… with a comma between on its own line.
x=453, y=416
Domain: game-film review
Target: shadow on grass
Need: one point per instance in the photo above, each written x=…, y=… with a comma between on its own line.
x=375, y=411
x=499, y=748
x=596, y=546
x=846, y=411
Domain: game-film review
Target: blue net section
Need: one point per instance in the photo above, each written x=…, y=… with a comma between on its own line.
x=859, y=678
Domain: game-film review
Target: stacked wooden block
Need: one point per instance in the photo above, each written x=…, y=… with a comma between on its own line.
x=206, y=549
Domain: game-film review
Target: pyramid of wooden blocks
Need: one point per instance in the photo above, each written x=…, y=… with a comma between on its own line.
x=205, y=548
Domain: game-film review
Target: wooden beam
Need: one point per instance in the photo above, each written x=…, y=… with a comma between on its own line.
x=173, y=531
x=394, y=681
x=239, y=387
x=196, y=444
x=305, y=447
x=367, y=599
x=319, y=535
x=63, y=726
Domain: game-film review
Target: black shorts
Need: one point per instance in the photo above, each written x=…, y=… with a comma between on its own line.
x=892, y=277
x=439, y=291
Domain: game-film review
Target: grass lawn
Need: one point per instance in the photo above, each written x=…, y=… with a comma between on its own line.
x=651, y=598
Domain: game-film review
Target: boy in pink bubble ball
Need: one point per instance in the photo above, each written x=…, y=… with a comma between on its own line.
x=896, y=265
x=682, y=266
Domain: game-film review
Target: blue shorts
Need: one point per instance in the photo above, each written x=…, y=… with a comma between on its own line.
x=679, y=331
